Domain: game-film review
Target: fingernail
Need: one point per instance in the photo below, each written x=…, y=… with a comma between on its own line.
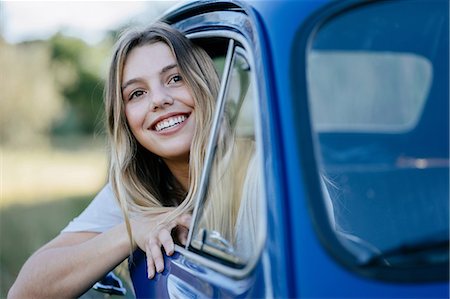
x=151, y=273
x=159, y=268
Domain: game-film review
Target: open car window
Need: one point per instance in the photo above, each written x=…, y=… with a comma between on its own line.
x=228, y=213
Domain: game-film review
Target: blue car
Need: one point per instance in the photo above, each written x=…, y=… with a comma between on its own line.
x=346, y=107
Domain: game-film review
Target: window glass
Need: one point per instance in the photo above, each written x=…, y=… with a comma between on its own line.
x=377, y=80
x=227, y=216
x=366, y=96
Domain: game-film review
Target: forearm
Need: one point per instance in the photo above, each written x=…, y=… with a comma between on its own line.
x=67, y=271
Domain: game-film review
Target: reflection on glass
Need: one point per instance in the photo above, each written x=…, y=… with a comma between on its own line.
x=227, y=225
x=359, y=91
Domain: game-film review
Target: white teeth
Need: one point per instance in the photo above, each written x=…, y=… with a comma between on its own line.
x=170, y=122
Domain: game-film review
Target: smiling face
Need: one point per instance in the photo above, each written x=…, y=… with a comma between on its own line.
x=159, y=106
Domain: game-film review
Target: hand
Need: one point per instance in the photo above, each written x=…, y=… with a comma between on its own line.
x=151, y=235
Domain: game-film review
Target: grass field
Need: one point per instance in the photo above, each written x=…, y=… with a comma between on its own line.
x=41, y=191
x=26, y=227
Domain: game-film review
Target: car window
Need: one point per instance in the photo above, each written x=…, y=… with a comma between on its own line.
x=377, y=80
x=228, y=212
x=366, y=96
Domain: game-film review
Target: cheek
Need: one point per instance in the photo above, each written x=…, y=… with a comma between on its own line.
x=134, y=115
x=187, y=98
x=190, y=102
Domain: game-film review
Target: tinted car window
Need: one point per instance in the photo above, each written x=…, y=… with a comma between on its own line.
x=377, y=84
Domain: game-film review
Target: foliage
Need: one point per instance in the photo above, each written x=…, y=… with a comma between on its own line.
x=80, y=72
x=30, y=97
x=50, y=88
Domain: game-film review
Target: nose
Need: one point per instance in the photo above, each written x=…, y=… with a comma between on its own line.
x=160, y=98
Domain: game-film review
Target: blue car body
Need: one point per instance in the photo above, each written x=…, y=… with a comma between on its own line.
x=296, y=260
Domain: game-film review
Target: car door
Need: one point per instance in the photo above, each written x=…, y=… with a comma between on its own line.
x=225, y=252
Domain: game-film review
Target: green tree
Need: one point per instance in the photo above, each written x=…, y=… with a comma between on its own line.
x=30, y=101
x=80, y=73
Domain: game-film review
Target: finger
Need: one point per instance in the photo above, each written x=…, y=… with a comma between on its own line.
x=156, y=254
x=184, y=220
x=166, y=240
x=182, y=234
x=150, y=264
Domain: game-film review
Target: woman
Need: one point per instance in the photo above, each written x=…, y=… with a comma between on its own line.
x=164, y=99
x=161, y=91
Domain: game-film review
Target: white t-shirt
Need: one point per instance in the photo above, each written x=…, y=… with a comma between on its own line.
x=102, y=214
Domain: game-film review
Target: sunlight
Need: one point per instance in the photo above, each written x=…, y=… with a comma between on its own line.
x=34, y=176
x=27, y=20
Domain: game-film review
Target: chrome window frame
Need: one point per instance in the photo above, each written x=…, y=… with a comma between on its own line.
x=220, y=105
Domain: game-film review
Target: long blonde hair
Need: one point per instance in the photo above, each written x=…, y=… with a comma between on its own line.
x=140, y=180
x=226, y=185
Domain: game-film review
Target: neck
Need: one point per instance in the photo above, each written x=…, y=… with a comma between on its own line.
x=180, y=171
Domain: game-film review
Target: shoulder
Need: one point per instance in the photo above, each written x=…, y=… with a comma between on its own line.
x=100, y=215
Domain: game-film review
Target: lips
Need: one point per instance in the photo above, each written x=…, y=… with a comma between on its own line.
x=169, y=121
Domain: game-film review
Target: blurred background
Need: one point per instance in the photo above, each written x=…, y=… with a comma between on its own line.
x=53, y=63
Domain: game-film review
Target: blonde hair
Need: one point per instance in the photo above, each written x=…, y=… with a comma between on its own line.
x=226, y=185
x=141, y=182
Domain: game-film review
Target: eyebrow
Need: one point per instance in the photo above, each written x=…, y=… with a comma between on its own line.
x=168, y=68
x=163, y=70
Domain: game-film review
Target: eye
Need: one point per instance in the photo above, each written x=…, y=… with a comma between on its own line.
x=175, y=79
x=136, y=94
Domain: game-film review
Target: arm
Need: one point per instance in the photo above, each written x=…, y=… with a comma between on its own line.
x=70, y=264
x=90, y=246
